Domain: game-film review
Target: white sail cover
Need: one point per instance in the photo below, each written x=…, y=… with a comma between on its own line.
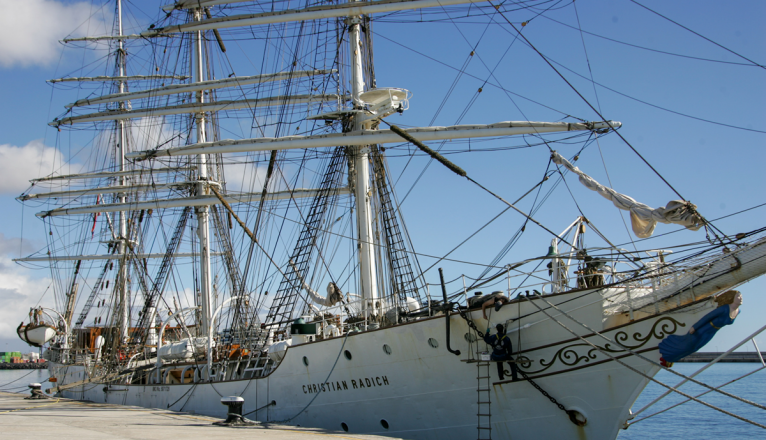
x=642, y=217
x=334, y=294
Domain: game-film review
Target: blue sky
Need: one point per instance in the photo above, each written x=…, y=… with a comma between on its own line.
x=717, y=167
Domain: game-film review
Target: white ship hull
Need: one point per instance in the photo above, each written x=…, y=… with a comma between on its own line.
x=422, y=391
x=428, y=393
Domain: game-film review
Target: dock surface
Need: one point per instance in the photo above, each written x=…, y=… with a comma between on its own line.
x=736, y=356
x=60, y=419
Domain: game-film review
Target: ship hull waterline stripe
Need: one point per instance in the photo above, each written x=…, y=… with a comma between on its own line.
x=372, y=137
x=315, y=13
x=105, y=257
x=183, y=202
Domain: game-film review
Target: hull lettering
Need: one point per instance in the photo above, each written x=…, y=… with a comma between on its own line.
x=324, y=387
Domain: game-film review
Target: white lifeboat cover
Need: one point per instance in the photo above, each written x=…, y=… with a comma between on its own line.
x=278, y=349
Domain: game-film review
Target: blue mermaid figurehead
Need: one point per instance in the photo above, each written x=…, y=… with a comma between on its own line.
x=674, y=347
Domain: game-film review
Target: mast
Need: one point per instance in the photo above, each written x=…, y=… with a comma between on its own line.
x=122, y=276
x=203, y=227
x=361, y=157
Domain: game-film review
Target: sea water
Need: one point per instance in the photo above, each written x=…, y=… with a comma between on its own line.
x=17, y=381
x=691, y=420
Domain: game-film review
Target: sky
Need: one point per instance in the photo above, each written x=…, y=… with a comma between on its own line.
x=691, y=104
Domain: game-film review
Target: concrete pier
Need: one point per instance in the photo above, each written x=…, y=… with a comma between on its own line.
x=70, y=419
x=736, y=356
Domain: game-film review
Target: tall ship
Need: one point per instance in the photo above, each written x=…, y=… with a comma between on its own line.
x=238, y=230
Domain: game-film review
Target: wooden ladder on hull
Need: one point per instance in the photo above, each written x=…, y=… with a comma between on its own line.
x=484, y=401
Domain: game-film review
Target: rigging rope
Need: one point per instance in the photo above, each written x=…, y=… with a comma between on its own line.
x=589, y=104
x=460, y=172
x=628, y=424
x=699, y=35
x=602, y=117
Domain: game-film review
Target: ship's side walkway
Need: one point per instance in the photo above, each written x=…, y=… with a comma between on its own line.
x=70, y=419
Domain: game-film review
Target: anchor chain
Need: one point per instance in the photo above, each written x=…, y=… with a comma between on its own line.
x=469, y=321
x=572, y=414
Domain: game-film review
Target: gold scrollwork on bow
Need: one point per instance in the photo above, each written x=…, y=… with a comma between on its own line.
x=572, y=354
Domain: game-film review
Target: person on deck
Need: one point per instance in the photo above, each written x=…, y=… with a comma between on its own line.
x=674, y=347
x=496, y=299
x=502, y=349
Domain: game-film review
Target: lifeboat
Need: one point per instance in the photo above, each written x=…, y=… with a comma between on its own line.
x=36, y=334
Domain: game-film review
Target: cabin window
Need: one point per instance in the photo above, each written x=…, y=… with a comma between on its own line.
x=305, y=361
x=344, y=426
x=384, y=423
x=386, y=349
x=347, y=354
x=433, y=342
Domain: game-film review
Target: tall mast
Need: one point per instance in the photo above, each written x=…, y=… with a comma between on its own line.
x=361, y=158
x=203, y=228
x=123, y=237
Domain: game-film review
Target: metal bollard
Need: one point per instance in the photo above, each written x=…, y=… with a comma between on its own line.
x=234, y=414
x=37, y=393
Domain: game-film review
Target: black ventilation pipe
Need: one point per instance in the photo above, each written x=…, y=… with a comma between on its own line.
x=447, y=309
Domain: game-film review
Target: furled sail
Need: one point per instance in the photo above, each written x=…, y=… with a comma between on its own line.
x=642, y=217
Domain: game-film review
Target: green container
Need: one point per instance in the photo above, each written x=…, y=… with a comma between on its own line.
x=299, y=327
x=5, y=356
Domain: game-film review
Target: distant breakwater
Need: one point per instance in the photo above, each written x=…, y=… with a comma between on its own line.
x=736, y=356
x=23, y=366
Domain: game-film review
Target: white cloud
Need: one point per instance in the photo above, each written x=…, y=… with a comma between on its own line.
x=30, y=30
x=18, y=291
x=19, y=164
x=244, y=177
x=15, y=246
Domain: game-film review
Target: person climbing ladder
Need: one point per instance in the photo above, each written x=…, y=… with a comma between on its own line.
x=502, y=350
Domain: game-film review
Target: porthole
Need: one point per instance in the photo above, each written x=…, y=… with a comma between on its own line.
x=305, y=361
x=433, y=342
x=470, y=337
x=347, y=354
x=386, y=349
x=344, y=426
x=384, y=423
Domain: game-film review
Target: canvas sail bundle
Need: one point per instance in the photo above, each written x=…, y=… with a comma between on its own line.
x=643, y=218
